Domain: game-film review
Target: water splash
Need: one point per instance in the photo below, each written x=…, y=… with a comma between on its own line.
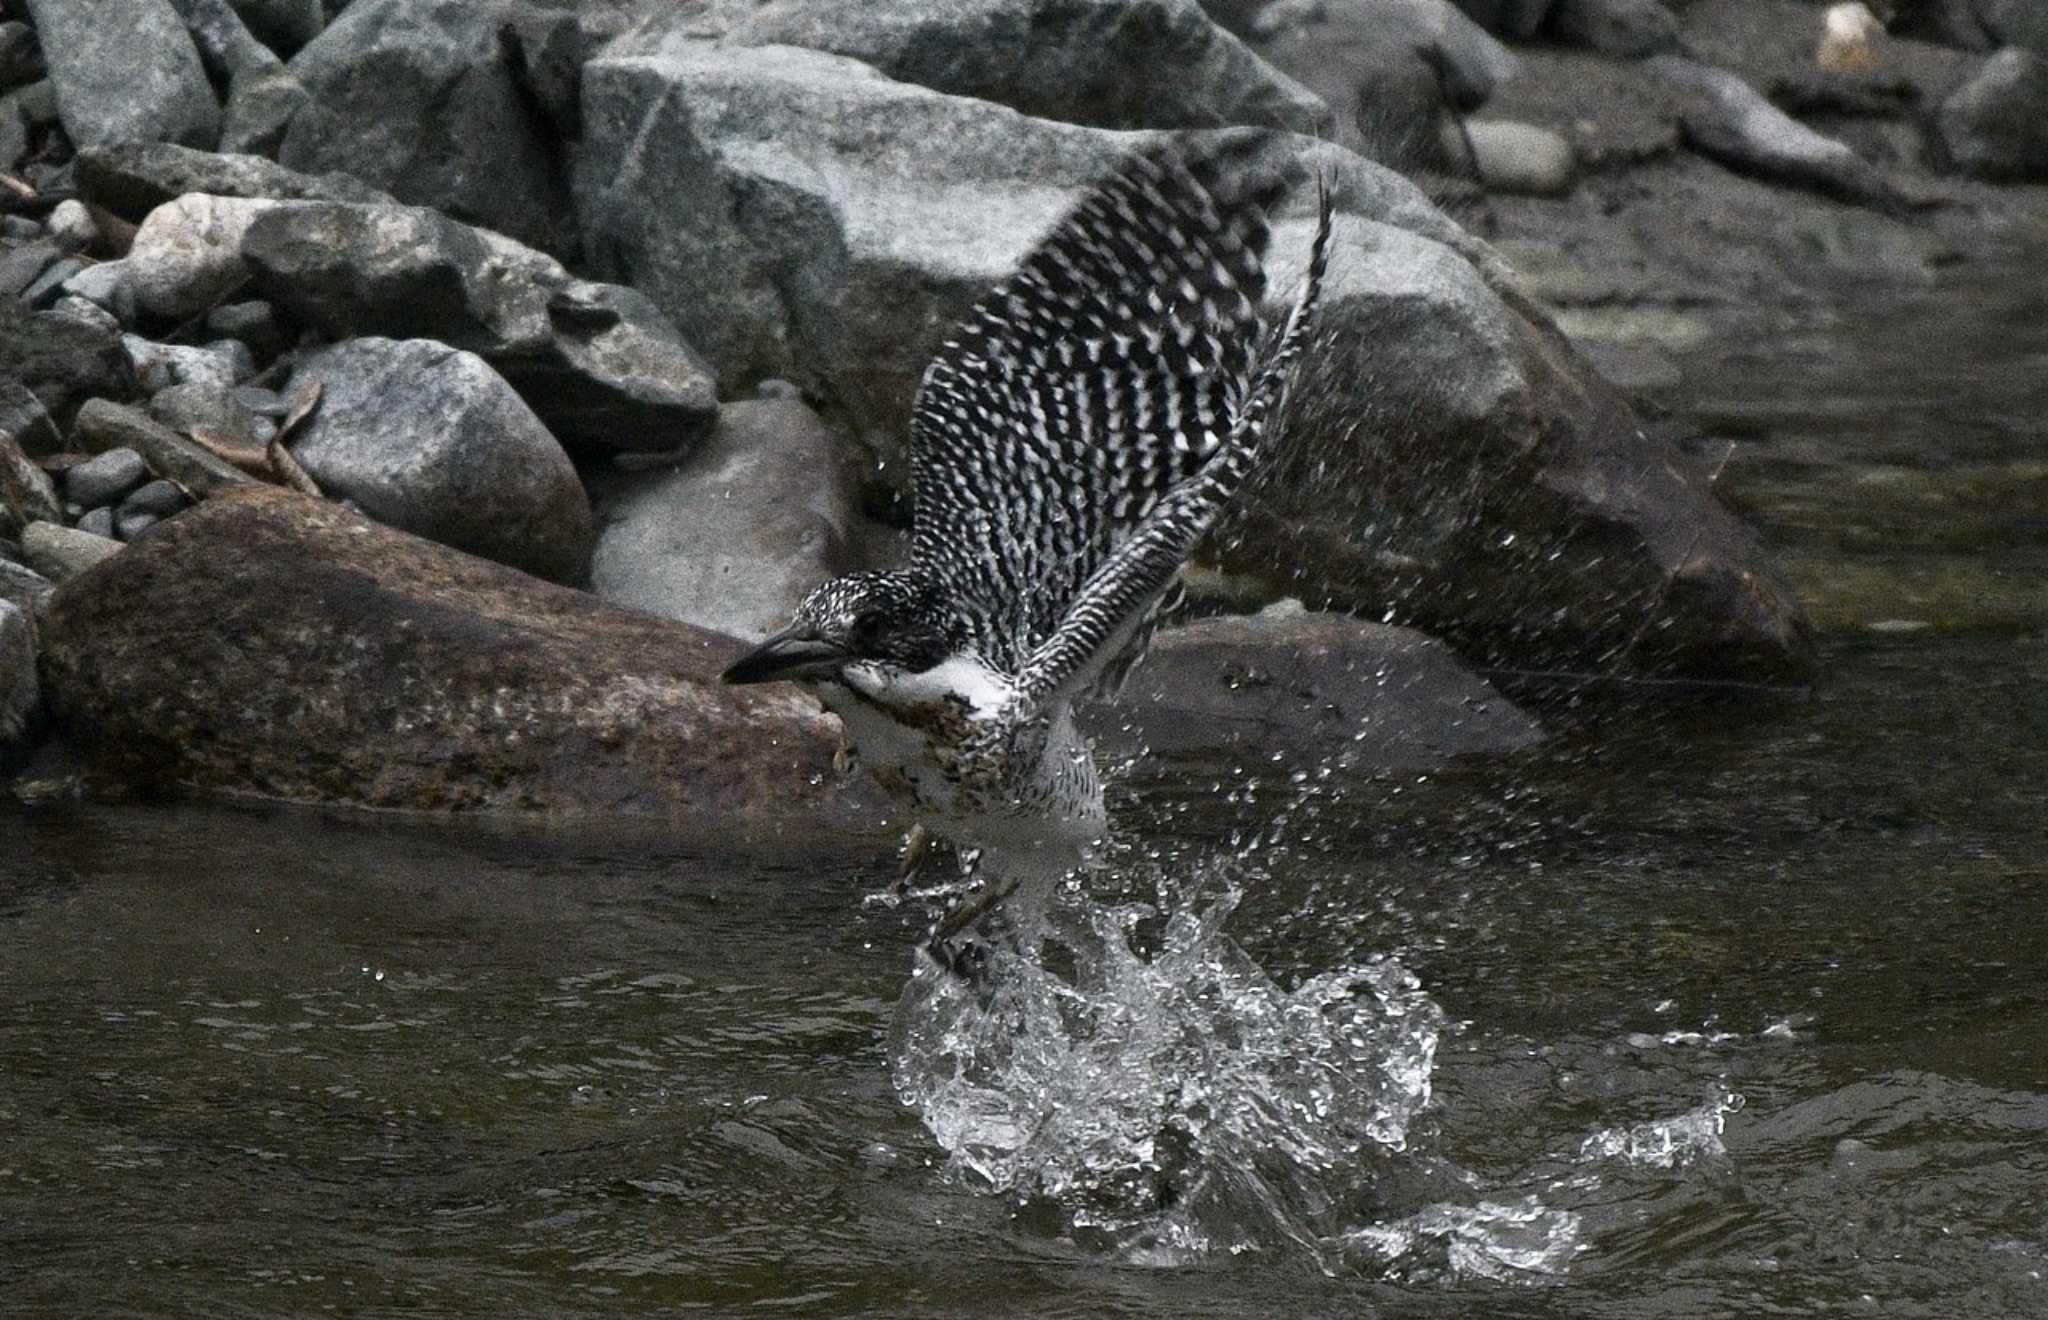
x=1150, y=1080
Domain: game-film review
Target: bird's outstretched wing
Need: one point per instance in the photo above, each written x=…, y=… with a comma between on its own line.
x=1104, y=373
x=1116, y=599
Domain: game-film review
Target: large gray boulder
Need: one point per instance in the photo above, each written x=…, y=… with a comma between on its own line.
x=128, y=76
x=370, y=667
x=426, y=98
x=1111, y=63
x=429, y=439
x=1995, y=126
x=262, y=95
x=1447, y=460
x=736, y=536
x=599, y=364
x=1308, y=687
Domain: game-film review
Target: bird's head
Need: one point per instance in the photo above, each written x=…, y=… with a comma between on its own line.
x=893, y=621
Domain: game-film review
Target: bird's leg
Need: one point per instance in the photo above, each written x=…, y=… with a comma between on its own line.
x=954, y=944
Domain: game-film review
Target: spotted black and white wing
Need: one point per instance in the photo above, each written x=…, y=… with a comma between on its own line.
x=1083, y=389
x=1115, y=600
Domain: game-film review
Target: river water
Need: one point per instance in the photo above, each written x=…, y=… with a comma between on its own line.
x=1709, y=1006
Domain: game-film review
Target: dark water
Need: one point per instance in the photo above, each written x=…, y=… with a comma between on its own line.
x=1737, y=1008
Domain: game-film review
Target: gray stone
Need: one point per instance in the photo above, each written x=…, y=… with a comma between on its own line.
x=48, y=287
x=225, y=45
x=1520, y=158
x=21, y=58
x=21, y=697
x=103, y=425
x=1996, y=125
x=19, y=228
x=104, y=478
x=61, y=553
x=83, y=309
x=131, y=523
x=1112, y=63
x=734, y=538
x=1615, y=27
x=14, y=135
x=424, y=98
x=1725, y=118
x=36, y=104
x=99, y=522
x=1309, y=687
x=159, y=498
x=2022, y=23
x=260, y=401
x=160, y=366
x=106, y=284
x=137, y=79
x=429, y=439
x=261, y=104
x=25, y=421
x=599, y=364
x=132, y=179
x=371, y=667
x=26, y=492
x=23, y=265
x=254, y=323
x=28, y=590
x=282, y=25
x=187, y=256
x=206, y=409
x=63, y=360
x=71, y=225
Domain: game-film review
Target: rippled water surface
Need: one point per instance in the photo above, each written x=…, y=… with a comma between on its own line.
x=1705, y=1008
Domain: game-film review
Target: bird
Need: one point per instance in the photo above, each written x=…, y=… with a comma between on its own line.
x=1086, y=423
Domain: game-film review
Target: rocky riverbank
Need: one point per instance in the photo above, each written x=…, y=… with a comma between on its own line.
x=369, y=372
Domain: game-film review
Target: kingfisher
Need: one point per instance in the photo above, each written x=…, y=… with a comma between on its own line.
x=1069, y=445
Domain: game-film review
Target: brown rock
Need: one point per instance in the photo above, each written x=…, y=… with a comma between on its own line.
x=273, y=644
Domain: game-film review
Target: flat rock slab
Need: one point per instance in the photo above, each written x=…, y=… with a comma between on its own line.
x=1309, y=686
x=269, y=643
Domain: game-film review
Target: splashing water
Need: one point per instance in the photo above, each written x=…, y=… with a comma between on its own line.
x=1173, y=1103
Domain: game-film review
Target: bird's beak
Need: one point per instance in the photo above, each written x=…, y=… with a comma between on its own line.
x=794, y=653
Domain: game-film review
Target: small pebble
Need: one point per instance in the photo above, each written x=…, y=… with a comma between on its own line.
x=773, y=388
x=19, y=226
x=105, y=478
x=72, y=226
x=158, y=498
x=262, y=402
x=129, y=525
x=107, y=283
x=254, y=323
x=100, y=522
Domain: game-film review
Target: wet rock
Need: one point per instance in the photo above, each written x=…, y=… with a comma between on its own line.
x=21, y=696
x=107, y=286
x=429, y=439
x=1308, y=686
x=137, y=79
x=104, y=478
x=21, y=58
x=1727, y=119
x=187, y=255
x=425, y=98
x=1446, y=460
x=1996, y=125
x=1520, y=158
x=1111, y=63
x=60, y=553
x=64, y=361
x=1615, y=27
x=735, y=537
x=599, y=364
x=372, y=667
x=103, y=425
x=132, y=179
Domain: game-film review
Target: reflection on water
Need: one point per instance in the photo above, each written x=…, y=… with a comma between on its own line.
x=1698, y=1010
